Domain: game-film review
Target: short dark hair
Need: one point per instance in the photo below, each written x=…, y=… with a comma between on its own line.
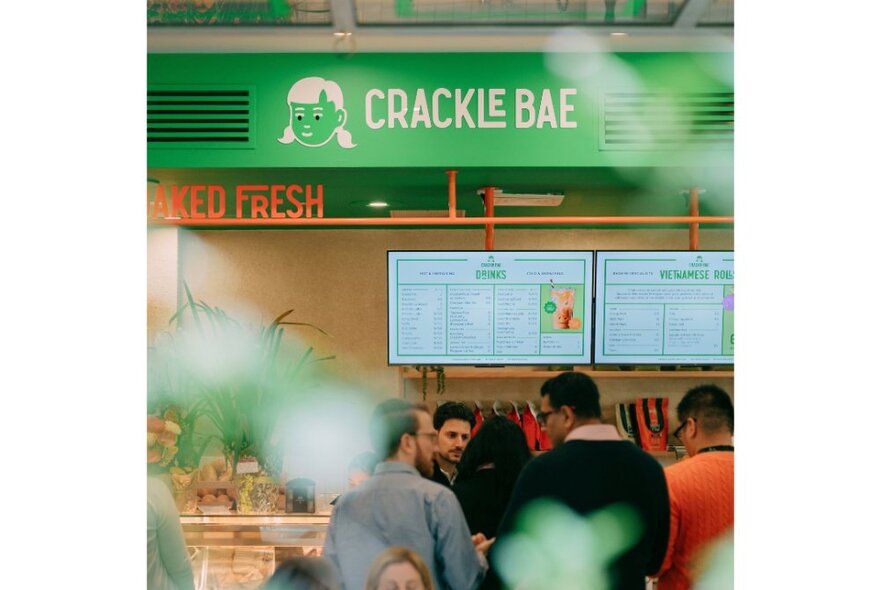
x=304, y=573
x=576, y=390
x=378, y=428
x=710, y=405
x=390, y=421
x=453, y=411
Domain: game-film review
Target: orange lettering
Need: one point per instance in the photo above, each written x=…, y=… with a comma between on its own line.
x=319, y=201
x=177, y=207
x=258, y=206
x=294, y=188
x=195, y=201
x=220, y=193
x=240, y=196
x=160, y=202
x=276, y=201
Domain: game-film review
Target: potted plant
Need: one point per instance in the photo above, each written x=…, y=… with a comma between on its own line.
x=234, y=382
x=439, y=371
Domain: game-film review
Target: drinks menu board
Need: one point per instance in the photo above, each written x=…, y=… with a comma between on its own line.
x=489, y=307
x=664, y=308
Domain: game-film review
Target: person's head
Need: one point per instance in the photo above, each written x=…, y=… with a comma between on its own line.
x=304, y=573
x=403, y=432
x=705, y=416
x=383, y=440
x=453, y=422
x=498, y=441
x=361, y=468
x=316, y=114
x=568, y=400
x=399, y=568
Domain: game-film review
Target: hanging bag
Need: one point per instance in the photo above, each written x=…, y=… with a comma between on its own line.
x=653, y=424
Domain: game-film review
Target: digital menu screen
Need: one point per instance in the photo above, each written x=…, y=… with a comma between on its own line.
x=664, y=307
x=490, y=307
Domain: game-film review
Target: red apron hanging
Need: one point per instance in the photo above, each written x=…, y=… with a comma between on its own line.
x=530, y=427
x=478, y=417
x=513, y=416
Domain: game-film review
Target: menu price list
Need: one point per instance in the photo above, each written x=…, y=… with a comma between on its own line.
x=481, y=320
x=517, y=320
x=663, y=329
x=633, y=329
x=693, y=329
x=421, y=319
x=567, y=344
x=470, y=320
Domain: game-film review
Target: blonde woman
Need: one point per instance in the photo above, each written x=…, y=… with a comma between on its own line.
x=399, y=568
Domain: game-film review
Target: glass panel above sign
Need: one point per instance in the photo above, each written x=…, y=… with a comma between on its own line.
x=719, y=14
x=545, y=12
x=238, y=12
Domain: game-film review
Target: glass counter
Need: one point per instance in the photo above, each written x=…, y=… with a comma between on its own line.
x=232, y=551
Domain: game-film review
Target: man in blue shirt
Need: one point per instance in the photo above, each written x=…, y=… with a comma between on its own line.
x=397, y=506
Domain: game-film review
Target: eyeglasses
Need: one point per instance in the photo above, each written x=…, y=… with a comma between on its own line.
x=682, y=425
x=431, y=435
x=541, y=417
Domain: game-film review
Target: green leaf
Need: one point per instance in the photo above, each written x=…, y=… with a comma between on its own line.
x=305, y=324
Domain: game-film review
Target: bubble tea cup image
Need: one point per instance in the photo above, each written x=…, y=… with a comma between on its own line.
x=564, y=300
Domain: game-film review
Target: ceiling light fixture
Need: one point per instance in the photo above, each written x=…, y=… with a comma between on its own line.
x=377, y=204
x=619, y=34
x=425, y=213
x=503, y=199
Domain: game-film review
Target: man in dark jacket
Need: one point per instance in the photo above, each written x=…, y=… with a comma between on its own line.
x=453, y=422
x=591, y=468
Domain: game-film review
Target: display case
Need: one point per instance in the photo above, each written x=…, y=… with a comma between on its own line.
x=232, y=551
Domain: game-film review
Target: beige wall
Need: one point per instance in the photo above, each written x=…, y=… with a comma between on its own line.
x=336, y=279
x=162, y=249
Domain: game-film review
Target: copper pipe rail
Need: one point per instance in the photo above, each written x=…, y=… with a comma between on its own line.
x=394, y=221
x=694, y=229
x=489, y=207
x=451, y=174
x=489, y=220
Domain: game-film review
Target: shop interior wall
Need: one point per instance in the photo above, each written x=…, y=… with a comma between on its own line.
x=336, y=279
x=162, y=283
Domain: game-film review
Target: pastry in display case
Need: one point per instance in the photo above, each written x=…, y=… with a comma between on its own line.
x=240, y=552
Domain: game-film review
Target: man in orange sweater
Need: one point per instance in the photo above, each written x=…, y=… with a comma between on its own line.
x=701, y=486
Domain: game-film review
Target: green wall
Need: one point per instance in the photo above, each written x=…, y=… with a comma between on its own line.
x=584, y=79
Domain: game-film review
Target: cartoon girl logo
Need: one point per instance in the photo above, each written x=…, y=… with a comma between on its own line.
x=316, y=114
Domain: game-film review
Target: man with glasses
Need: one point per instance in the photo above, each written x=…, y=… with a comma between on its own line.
x=591, y=468
x=397, y=506
x=700, y=487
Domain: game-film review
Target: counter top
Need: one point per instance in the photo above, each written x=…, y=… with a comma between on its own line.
x=256, y=519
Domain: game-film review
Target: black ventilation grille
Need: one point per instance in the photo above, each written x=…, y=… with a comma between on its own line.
x=204, y=118
x=655, y=121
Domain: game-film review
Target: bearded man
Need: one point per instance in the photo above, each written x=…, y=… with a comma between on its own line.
x=399, y=506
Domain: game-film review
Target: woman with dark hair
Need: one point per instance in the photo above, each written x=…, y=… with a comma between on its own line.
x=303, y=573
x=488, y=469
